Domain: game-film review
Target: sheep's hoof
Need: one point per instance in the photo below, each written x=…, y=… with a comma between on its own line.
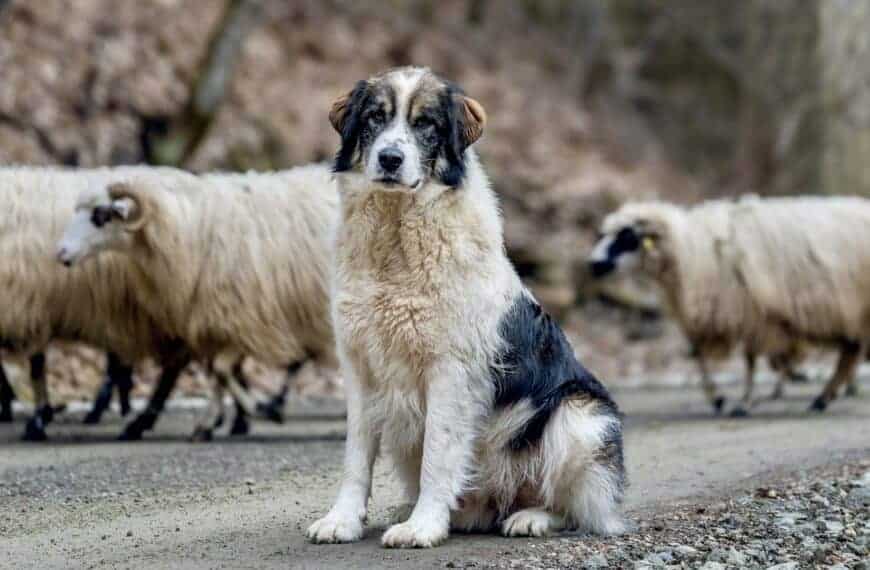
x=6, y=416
x=718, y=404
x=34, y=431
x=130, y=435
x=202, y=434
x=798, y=378
x=819, y=405
x=241, y=426
x=93, y=417
x=218, y=422
x=126, y=408
x=739, y=412
x=273, y=411
x=851, y=391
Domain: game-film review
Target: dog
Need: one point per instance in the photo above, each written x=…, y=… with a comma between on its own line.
x=452, y=368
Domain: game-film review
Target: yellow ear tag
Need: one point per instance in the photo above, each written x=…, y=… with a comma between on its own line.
x=648, y=243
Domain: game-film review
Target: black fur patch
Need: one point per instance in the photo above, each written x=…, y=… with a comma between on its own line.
x=626, y=240
x=539, y=365
x=352, y=127
x=452, y=143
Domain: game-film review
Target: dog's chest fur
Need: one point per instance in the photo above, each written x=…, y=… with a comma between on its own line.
x=412, y=277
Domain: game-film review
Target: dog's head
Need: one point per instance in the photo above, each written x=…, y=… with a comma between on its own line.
x=630, y=238
x=405, y=128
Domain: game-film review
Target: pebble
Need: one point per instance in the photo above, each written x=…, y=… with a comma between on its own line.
x=784, y=566
x=686, y=551
x=595, y=562
x=713, y=566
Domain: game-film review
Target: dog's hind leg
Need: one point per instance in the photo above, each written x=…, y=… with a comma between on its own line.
x=583, y=474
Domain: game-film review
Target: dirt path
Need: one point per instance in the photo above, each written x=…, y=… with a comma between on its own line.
x=84, y=500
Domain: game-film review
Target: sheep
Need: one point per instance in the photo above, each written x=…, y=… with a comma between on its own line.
x=229, y=264
x=43, y=301
x=690, y=254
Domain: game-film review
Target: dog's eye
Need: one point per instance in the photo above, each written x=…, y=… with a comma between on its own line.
x=377, y=117
x=424, y=123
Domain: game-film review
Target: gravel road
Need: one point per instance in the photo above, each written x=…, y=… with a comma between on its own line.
x=85, y=500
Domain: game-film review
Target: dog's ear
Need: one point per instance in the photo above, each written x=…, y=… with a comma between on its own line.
x=345, y=119
x=472, y=120
x=465, y=121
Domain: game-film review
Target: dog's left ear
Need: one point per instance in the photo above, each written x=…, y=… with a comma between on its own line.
x=345, y=119
x=472, y=120
x=465, y=121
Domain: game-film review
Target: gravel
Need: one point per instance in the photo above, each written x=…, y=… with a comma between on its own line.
x=814, y=519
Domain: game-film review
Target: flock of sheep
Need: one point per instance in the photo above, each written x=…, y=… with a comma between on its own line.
x=147, y=262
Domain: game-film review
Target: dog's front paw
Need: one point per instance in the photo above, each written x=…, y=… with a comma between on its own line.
x=336, y=528
x=531, y=522
x=412, y=534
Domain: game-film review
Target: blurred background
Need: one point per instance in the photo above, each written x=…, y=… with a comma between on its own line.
x=590, y=103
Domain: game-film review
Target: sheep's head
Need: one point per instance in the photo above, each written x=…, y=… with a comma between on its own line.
x=106, y=219
x=631, y=239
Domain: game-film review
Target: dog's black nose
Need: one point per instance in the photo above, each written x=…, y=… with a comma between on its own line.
x=601, y=267
x=391, y=159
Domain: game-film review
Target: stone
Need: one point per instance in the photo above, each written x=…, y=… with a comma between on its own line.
x=595, y=562
x=686, y=551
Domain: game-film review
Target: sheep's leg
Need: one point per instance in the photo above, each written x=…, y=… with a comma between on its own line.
x=101, y=401
x=241, y=425
x=214, y=416
x=172, y=368
x=742, y=409
x=274, y=410
x=852, y=387
x=6, y=397
x=43, y=413
x=717, y=401
x=118, y=375
x=850, y=355
x=122, y=375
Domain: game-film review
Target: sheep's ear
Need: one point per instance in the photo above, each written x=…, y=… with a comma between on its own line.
x=127, y=206
x=472, y=120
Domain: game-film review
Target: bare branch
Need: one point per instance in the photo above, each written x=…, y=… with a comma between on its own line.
x=184, y=133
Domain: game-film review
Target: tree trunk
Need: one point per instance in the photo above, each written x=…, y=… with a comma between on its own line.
x=845, y=62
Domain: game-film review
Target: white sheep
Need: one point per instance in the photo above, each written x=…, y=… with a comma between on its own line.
x=692, y=255
x=229, y=264
x=806, y=262
x=43, y=301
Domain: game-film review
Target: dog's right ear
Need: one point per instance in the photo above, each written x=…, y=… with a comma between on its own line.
x=345, y=119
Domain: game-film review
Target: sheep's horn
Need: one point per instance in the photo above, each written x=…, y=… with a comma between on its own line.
x=139, y=213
